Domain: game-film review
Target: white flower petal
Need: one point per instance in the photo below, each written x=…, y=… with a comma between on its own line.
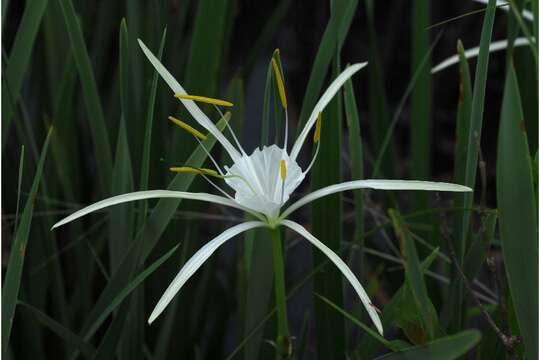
x=343, y=268
x=195, y=262
x=261, y=170
x=150, y=194
x=190, y=105
x=473, y=52
x=321, y=104
x=375, y=184
x=527, y=15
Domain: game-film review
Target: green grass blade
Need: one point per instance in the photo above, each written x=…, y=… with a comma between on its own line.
x=21, y=169
x=413, y=272
x=357, y=168
x=446, y=348
x=147, y=238
x=16, y=66
x=12, y=279
x=330, y=326
x=67, y=335
x=472, y=146
x=94, y=110
x=122, y=180
x=336, y=29
x=378, y=105
x=518, y=214
x=386, y=343
x=420, y=133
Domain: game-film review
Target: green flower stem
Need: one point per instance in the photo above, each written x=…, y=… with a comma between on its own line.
x=279, y=287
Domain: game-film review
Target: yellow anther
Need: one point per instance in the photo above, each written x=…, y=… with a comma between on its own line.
x=204, y=99
x=317, y=133
x=186, y=169
x=188, y=128
x=283, y=168
x=279, y=80
x=194, y=170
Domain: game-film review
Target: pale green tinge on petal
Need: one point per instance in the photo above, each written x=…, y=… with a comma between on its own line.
x=375, y=184
x=321, y=104
x=343, y=268
x=196, y=261
x=473, y=52
x=143, y=195
x=190, y=105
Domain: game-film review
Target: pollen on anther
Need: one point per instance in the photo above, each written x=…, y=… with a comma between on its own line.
x=283, y=169
x=188, y=128
x=204, y=99
x=317, y=133
x=280, y=84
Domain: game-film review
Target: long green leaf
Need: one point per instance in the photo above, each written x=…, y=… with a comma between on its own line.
x=12, y=279
x=473, y=147
x=413, y=272
x=518, y=214
x=16, y=66
x=446, y=348
x=94, y=110
x=67, y=335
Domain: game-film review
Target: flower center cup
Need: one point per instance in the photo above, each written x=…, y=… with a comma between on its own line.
x=266, y=191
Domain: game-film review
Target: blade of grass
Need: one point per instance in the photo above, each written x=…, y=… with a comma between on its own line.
x=16, y=66
x=336, y=30
x=86, y=349
x=420, y=133
x=446, y=348
x=94, y=110
x=357, y=169
x=12, y=279
x=378, y=105
x=518, y=214
x=470, y=165
x=413, y=272
x=330, y=327
x=19, y=184
x=391, y=345
x=146, y=238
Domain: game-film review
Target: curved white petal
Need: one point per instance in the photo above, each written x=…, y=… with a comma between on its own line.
x=190, y=105
x=527, y=15
x=342, y=267
x=321, y=104
x=375, y=184
x=473, y=52
x=150, y=194
x=195, y=262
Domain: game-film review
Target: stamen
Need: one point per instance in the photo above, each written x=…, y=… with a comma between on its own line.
x=204, y=99
x=316, y=140
x=186, y=169
x=317, y=133
x=210, y=156
x=228, y=115
x=283, y=169
x=188, y=128
x=280, y=84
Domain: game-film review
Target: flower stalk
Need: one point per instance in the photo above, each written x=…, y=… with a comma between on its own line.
x=279, y=289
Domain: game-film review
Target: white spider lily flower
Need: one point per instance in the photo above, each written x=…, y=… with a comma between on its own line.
x=262, y=183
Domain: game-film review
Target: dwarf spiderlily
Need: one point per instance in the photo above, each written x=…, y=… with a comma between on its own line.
x=262, y=182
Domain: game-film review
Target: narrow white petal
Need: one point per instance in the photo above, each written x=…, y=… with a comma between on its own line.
x=150, y=194
x=343, y=268
x=321, y=104
x=473, y=52
x=195, y=262
x=375, y=184
x=527, y=15
x=190, y=105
